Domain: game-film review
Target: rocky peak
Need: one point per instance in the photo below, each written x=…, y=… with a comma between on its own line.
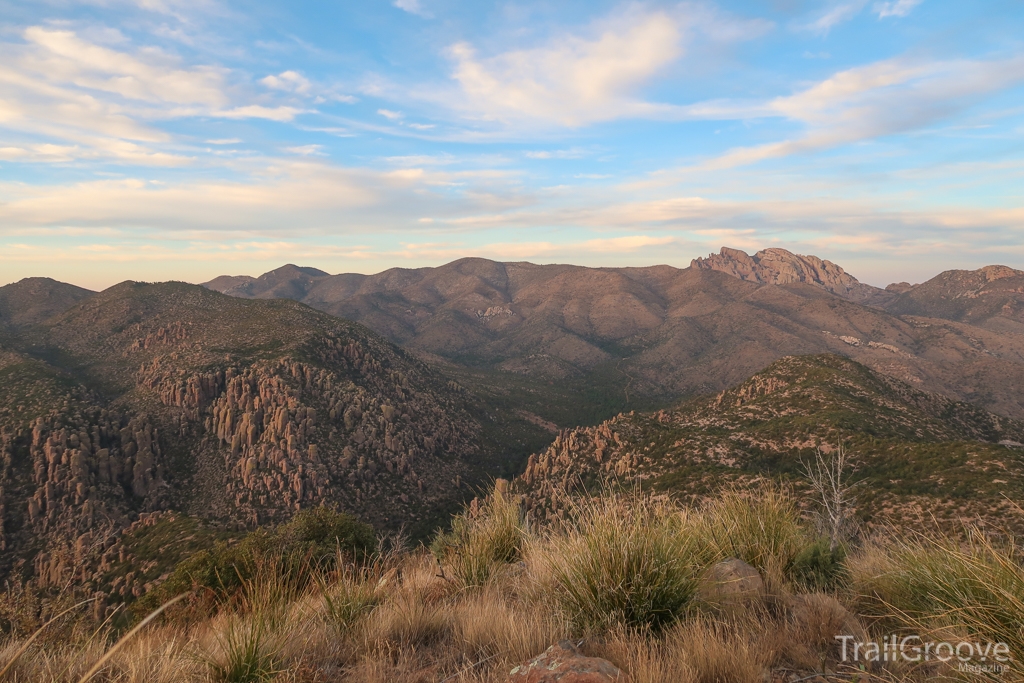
x=780, y=267
x=998, y=272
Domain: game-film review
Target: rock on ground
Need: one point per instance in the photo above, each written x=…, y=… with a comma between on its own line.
x=564, y=663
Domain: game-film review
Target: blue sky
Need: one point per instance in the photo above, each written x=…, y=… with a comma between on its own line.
x=167, y=139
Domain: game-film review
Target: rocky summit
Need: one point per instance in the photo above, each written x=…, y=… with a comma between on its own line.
x=780, y=267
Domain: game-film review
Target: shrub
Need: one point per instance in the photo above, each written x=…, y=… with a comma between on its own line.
x=626, y=562
x=819, y=567
x=313, y=539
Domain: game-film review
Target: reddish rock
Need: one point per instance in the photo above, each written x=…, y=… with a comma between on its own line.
x=564, y=663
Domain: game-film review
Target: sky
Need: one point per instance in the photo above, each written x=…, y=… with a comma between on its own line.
x=184, y=139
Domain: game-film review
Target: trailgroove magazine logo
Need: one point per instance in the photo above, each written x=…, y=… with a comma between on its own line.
x=971, y=657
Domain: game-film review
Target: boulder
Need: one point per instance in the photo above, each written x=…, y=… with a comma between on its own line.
x=564, y=663
x=732, y=580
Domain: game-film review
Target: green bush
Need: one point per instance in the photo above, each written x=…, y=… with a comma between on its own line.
x=819, y=567
x=312, y=540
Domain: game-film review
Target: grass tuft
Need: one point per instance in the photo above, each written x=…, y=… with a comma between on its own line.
x=482, y=540
x=622, y=561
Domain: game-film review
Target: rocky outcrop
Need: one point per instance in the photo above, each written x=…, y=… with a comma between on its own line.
x=288, y=434
x=772, y=422
x=563, y=663
x=781, y=267
x=234, y=414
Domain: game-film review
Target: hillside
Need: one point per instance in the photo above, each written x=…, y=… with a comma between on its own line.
x=918, y=455
x=173, y=398
x=655, y=334
x=34, y=299
x=990, y=297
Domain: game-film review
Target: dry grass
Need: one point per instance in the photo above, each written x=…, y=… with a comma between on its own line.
x=621, y=572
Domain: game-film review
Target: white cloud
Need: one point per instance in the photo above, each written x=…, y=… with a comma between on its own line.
x=573, y=81
x=412, y=7
x=63, y=57
x=390, y=115
x=896, y=8
x=224, y=141
x=258, y=111
x=573, y=153
x=289, y=81
x=885, y=98
x=60, y=91
x=422, y=126
x=307, y=150
x=835, y=15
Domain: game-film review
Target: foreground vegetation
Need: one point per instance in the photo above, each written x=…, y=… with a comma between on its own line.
x=633, y=577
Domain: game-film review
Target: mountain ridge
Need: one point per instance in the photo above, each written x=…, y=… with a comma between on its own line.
x=917, y=453
x=664, y=331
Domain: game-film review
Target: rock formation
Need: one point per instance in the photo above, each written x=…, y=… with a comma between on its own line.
x=780, y=267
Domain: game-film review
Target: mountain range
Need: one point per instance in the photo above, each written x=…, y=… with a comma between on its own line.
x=163, y=417
x=665, y=332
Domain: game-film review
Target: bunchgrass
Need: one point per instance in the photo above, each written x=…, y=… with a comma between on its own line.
x=248, y=652
x=480, y=542
x=940, y=581
x=349, y=598
x=622, y=561
x=762, y=527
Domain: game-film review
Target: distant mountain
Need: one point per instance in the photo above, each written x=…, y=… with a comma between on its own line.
x=664, y=332
x=171, y=397
x=917, y=455
x=991, y=297
x=782, y=267
x=287, y=282
x=34, y=299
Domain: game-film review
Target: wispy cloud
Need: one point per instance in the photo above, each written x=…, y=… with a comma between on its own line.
x=307, y=150
x=885, y=98
x=896, y=8
x=834, y=15
x=94, y=102
x=258, y=111
x=572, y=153
x=412, y=7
